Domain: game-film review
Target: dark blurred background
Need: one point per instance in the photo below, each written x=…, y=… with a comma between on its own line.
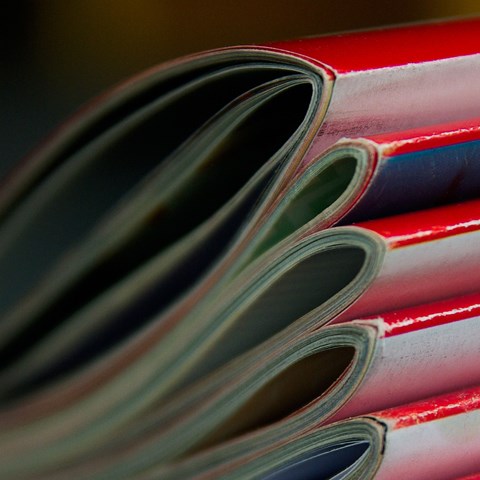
x=56, y=54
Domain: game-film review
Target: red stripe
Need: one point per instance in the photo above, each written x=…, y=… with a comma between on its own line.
x=434, y=408
x=430, y=315
x=390, y=47
x=436, y=136
x=427, y=225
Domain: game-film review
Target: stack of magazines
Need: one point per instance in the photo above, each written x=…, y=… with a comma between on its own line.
x=254, y=262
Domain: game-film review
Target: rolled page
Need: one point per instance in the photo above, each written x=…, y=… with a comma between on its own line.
x=432, y=438
x=190, y=191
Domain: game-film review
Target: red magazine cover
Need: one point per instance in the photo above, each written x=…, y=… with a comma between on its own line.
x=362, y=178
x=421, y=351
x=381, y=78
x=131, y=212
x=126, y=274
x=387, y=173
x=337, y=372
x=432, y=438
x=371, y=267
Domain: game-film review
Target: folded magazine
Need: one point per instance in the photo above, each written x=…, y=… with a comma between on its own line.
x=233, y=224
x=433, y=438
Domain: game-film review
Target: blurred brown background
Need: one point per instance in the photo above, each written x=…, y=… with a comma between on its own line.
x=56, y=54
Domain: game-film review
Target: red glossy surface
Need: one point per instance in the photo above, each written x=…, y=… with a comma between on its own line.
x=432, y=409
x=427, y=225
x=389, y=47
x=430, y=315
x=435, y=136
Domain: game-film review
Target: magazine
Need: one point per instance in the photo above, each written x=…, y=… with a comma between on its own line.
x=219, y=225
